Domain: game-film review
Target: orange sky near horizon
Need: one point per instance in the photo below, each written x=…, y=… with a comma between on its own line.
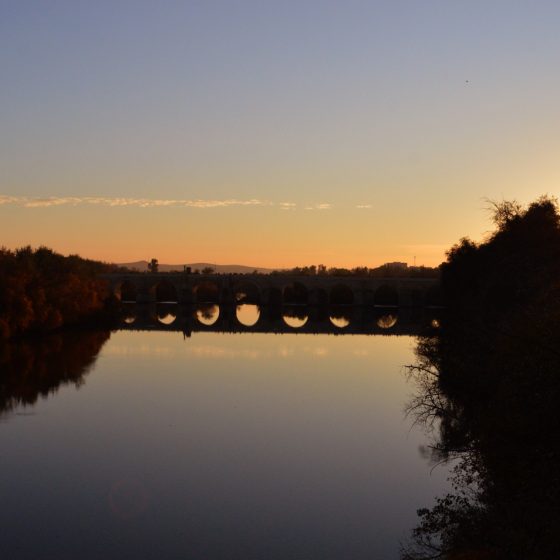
x=262, y=236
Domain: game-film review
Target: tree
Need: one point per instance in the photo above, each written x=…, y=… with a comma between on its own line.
x=487, y=384
x=153, y=266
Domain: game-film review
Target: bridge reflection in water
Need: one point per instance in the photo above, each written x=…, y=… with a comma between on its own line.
x=336, y=320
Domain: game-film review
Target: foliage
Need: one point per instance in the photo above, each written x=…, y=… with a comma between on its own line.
x=488, y=383
x=384, y=271
x=153, y=266
x=41, y=290
x=518, y=264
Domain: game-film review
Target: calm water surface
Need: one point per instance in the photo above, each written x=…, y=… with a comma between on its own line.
x=149, y=445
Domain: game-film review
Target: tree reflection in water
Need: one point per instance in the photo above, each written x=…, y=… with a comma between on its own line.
x=31, y=369
x=493, y=397
x=207, y=313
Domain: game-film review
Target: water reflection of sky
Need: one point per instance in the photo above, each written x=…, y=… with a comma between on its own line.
x=248, y=314
x=221, y=446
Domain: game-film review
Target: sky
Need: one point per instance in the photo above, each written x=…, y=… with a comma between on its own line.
x=346, y=133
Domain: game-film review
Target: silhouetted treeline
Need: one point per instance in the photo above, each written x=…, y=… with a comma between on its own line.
x=518, y=265
x=489, y=382
x=389, y=270
x=37, y=368
x=41, y=291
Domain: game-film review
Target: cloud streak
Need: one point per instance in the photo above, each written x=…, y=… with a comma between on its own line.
x=48, y=202
x=320, y=206
x=128, y=202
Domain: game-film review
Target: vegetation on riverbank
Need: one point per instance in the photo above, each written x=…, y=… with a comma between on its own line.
x=42, y=291
x=488, y=383
x=388, y=270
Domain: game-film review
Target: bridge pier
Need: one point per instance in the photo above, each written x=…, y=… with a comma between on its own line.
x=227, y=296
x=185, y=295
x=359, y=297
x=318, y=296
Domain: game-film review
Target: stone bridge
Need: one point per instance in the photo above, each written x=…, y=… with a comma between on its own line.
x=272, y=289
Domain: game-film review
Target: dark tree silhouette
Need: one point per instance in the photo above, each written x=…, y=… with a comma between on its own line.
x=488, y=383
x=153, y=266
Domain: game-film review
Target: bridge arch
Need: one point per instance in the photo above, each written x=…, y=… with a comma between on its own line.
x=165, y=292
x=207, y=291
x=126, y=291
x=247, y=293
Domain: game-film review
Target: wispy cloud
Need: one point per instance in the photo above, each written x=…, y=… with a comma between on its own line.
x=320, y=206
x=363, y=206
x=8, y=200
x=30, y=202
x=123, y=202
x=287, y=205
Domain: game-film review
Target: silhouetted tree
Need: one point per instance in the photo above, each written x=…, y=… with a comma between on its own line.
x=488, y=383
x=153, y=266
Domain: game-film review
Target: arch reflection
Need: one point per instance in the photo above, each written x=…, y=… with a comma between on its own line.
x=166, y=313
x=247, y=293
x=387, y=321
x=207, y=314
x=341, y=316
x=295, y=317
x=166, y=318
x=340, y=322
x=248, y=314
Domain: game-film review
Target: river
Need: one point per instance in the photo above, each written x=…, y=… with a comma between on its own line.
x=150, y=444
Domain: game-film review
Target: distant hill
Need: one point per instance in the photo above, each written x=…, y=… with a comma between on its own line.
x=142, y=266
